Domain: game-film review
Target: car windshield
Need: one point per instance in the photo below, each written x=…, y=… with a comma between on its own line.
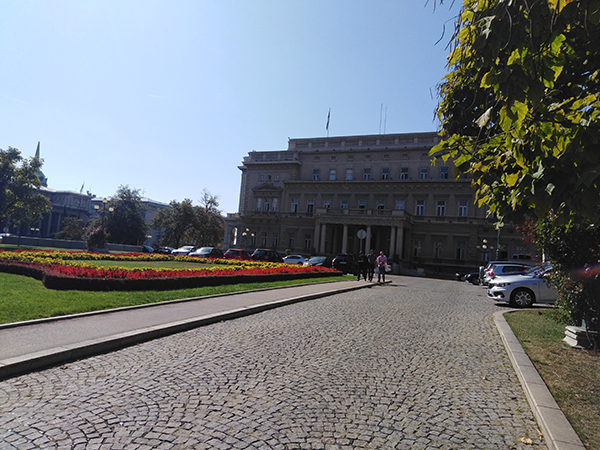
x=317, y=259
x=205, y=250
x=537, y=270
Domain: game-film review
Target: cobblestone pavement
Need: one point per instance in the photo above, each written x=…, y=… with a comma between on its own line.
x=417, y=364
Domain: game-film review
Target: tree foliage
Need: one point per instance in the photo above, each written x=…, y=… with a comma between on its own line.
x=20, y=199
x=185, y=224
x=519, y=109
x=126, y=222
x=72, y=229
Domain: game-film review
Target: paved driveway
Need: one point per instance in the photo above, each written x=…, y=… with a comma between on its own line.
x=415, y=364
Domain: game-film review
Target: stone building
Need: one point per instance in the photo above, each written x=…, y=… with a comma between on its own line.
x=317, y=196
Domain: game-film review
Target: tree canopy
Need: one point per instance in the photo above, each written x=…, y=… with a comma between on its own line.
x=126, y=222
x=519, y=109
x=20, y=199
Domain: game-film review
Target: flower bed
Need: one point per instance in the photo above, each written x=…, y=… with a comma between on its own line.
x=67, y=270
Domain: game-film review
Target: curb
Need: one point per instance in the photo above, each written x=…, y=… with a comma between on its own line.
x=558, y=432
x=20, y=365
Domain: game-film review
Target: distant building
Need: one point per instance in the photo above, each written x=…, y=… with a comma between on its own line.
x=317, y=196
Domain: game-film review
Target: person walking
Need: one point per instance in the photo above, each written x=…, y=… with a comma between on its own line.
x=381, y=265
x=371, y=260
x=362, y=266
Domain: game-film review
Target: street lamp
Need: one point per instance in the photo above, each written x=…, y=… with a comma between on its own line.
x=498, y=228
x=247, y=233
x=102, y=214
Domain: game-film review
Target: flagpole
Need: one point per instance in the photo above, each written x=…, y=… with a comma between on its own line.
x=327, y=126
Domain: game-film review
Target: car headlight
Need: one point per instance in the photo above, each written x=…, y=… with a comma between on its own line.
x=502, y=284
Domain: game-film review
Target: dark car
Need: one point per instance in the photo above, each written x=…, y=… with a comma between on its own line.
x=147, y=249
x=207, y=252
x=345, y=263
x=165, y=250
x=322, y=261
x=266, y=255
x=237, y=253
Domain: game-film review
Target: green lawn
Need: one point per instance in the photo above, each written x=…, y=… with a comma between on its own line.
x=573, y=376
x=23, y=298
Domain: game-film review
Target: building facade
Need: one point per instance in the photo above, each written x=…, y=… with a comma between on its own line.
x=324, y=196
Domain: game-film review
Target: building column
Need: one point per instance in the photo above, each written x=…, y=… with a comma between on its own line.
x=323, y=236
x=368, y=241
x=392, y=241
x=345, y=240
x=317, y=237
x=400, y=242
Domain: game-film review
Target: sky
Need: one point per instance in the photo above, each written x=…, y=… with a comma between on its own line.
x=167, y=97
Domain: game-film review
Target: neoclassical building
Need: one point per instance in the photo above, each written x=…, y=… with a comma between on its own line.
x=324, y=196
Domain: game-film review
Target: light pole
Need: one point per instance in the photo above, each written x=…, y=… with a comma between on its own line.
x=102, y=214
x=485, y=249
x=247, y=233
x=498, y=228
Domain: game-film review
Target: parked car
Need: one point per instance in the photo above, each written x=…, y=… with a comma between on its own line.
x=185, y=250
x=207, y=252
x=237, y=253
x=294, y=259
x=469, y=277
x=165, y=250
x=261, y=254
x=503, y=269
x=323, y=261
x=147, y=249
x=524, y=290
x=345, y=262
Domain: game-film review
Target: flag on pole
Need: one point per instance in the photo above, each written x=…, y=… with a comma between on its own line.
x=328, y=116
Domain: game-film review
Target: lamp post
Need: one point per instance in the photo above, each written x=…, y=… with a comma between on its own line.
x=245, y=234
x=498, y=228
x=485, y=248
x=102, y=214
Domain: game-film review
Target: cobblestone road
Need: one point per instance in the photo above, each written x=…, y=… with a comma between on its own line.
x=416, y=364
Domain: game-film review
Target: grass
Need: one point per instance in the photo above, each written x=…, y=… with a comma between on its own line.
x=573, y=376
x=23, y=298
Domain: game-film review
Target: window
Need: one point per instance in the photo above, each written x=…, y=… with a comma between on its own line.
x=264, y=239
x=424, y=174
x=259, y=204
x=292, y=242
x=267, y=205
x=349, y=174
x=344, y=203
x=367, y=174
x=261, y=178
x=294, y=205
x=404, y=173
x=417, y=249
x=307, y=242
x=332, y=175
x=385, y=173
x=441, y=208
x=380, y=205
x=362, y=204
x=400, y=205
x=462, y=209
x=310, y=205
x=438, y=250
x=275, y=201
x=275, y=239
x=316, y=173
x=327, y=204
x=461, y=250
x=444, y=173
x=420, y=210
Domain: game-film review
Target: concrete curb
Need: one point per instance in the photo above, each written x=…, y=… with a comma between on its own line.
x=558, y=432
x=15, y=366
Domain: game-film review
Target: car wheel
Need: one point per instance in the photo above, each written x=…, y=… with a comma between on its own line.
x=522, y=298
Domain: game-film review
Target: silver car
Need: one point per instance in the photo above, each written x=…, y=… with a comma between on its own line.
x=524, y=290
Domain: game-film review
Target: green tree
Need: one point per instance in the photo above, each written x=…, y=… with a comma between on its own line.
x=519, y=110
x=125, y=223
x=20, y=199
x=72, y=229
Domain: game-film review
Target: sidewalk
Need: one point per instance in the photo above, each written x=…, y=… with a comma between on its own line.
x=33, y=345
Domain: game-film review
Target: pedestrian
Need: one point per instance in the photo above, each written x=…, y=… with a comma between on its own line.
x=362, y=266
x=371, y=260
x=381, y=266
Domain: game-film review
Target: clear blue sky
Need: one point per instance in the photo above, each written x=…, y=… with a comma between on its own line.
x=168, y=96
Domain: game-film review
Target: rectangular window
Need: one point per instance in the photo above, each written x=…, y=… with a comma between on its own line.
x=349, y=174
x=461, y=250
x=327, y=204
x=385, y=173
x=462, y=209
x=344, y=204
x=267, y=205
x=310, y=205
x=424, y=174
x=332, y=175
x=316, y=173
x=292, y=243
x=367, y=174
x=380, y=204
x=400, y=205
x=294, y=205
x=362, y=204
x=404, y=173
x=264, y=239
x=417, y=249
x=307, y=242
x=259, y=204
x=275, y=201
x=420, y=210
x=275, y=240
x=444, y=173
x=441, y=208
